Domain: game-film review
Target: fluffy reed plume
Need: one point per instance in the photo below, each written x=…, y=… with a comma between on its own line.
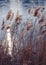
x=3, y=25
x=18, y=18
x=10, y=15
x=29, y=24
x=31, y=11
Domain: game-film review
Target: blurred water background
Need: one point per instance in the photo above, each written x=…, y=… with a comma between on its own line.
x=22, y=5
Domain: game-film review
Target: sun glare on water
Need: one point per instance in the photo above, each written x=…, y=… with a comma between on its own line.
x=10, y=45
